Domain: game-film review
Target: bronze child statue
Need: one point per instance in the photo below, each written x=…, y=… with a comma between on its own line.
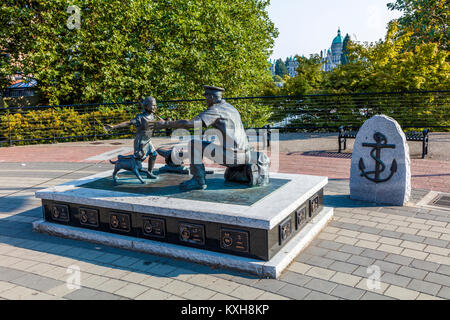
x=145, y=123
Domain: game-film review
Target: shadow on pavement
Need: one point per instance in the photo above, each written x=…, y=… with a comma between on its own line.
x=323, y=153
x=17, y=231
x=344, y=201
x=10, y=204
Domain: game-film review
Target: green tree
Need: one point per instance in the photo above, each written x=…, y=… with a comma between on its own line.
x=344, y=55
x=125, y=49
x=427, y=20
x=280, y=68
x=309, y=77
x=389, y=66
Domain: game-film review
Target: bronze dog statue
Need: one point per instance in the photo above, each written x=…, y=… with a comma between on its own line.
x=129, y=163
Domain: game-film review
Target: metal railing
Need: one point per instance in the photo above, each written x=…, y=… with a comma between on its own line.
x=322, y=113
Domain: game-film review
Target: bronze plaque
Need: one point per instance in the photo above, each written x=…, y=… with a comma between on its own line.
x=285, y=230
x=88, y=217
x=60, y=212
x=236, y=240
x=301, y=217
x=192, y=233
x=314, y=205
x=154, y=227
x=119, y=221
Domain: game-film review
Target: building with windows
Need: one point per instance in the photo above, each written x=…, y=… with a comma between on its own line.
x=332, y=57
x=21, y=87
x=292, y=65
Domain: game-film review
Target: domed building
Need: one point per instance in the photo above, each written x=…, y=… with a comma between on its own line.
x=332, y=57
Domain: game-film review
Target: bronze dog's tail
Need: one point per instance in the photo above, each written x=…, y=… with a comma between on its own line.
x=113, y=162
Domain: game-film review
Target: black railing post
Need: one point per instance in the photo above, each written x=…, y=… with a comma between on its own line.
x=53, y=125
x=95, y=125
x=168, y=130
x=9, y=129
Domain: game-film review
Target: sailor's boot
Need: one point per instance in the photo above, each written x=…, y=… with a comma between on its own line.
x=198, y=181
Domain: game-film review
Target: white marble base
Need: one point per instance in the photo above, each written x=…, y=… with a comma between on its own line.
x=272, y=268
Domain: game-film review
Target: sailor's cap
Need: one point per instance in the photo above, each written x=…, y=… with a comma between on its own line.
x=212, y=89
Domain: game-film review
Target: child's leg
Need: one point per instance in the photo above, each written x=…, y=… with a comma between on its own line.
x=152, y=154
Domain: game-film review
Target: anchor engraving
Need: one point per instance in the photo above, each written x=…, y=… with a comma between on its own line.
x=381, y=143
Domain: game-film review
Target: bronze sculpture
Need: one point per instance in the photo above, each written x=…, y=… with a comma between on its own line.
x=232, y=149
x=145, y=123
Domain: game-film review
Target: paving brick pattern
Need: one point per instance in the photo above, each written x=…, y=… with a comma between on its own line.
x=407, y=247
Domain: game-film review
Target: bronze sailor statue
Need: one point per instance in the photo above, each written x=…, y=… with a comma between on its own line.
x=231, y=149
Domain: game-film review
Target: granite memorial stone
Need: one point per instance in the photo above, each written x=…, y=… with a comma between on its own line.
x=380, y=168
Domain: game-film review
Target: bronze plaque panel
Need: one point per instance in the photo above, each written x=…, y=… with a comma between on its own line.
x=285, y=230
x=192, y=233
x=314, y=205
x=236, y=240
x=154, y=227
x=300, y=217
x=60, y=212
x=119, y=221
x=89, y=217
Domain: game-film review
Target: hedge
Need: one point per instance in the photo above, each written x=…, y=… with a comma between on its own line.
x=63, y=124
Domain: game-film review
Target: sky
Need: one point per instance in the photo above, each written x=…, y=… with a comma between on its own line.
x=308, y=26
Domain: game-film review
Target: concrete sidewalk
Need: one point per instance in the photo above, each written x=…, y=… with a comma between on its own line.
x=409, y=246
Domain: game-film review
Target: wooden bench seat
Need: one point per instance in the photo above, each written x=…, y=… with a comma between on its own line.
x=410, y=136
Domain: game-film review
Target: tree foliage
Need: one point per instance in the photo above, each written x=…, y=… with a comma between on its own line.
x=390, y=66
x=426, y=20
x=129, y=48
x=280, y=68
x=385, y=66
x=344, y=55
x=309, y=77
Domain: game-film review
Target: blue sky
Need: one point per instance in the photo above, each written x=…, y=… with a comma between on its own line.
x=308, y=26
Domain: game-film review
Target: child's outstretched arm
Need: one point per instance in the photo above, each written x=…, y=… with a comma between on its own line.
x=120, y=125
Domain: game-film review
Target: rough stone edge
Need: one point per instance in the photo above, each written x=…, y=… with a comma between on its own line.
x=272, y=268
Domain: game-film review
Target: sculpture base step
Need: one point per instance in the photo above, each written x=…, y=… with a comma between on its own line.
x=272, y=268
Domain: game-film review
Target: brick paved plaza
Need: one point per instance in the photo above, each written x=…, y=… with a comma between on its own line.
x=410, y=245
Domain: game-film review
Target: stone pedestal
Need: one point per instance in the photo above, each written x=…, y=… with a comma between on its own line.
x=380, y=167
x=230, y=225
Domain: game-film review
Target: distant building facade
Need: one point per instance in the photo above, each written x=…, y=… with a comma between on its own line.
x=272, y=66
x=332, y=57
x=291, y=64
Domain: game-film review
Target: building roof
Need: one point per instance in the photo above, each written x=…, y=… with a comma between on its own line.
x=338, y=38
x=23, y=84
